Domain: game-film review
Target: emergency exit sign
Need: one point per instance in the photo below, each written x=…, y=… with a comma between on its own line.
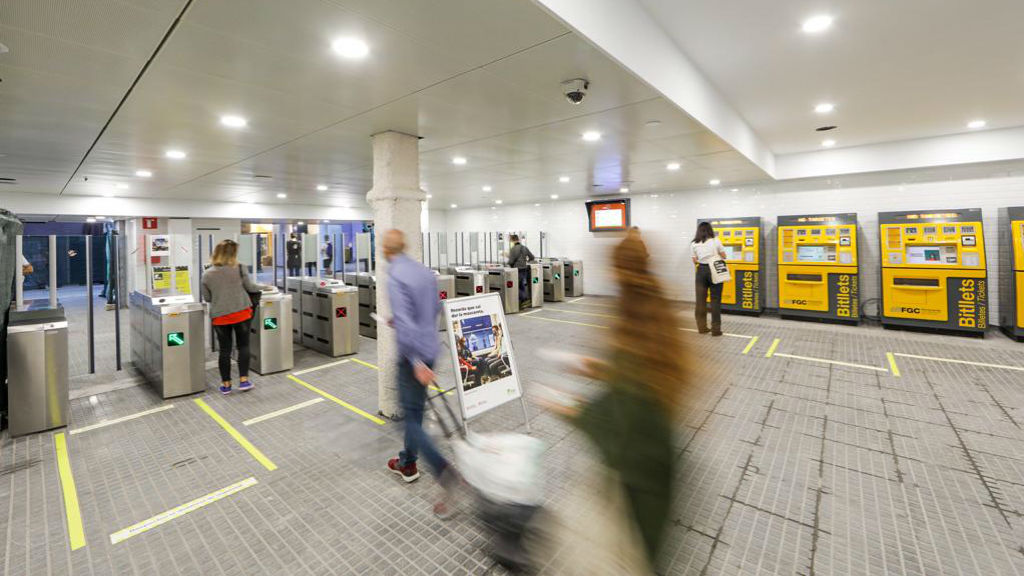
x=270, y=323
x=175, y=338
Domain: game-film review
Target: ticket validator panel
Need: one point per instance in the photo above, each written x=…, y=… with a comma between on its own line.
x=1011, y=272
x=818, y=267
x=933, y=270
x=741, y=238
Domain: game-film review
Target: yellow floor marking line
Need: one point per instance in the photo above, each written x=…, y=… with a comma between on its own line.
x=76, y=535
x=576, y=300
x=694, y=330
x=164, y=517
x=753, y=340
x=951, y=360
x=282, y=411
x=103, y=423
x=771, y=349
x=534, y=311
x=738, y=335
x=568, y=322
x=892, y=364
x=252, y=450
x=339, y=401
x=563, y=311
x=367, y=364
x=837, y=362
x=609, y=306
x=322, y=366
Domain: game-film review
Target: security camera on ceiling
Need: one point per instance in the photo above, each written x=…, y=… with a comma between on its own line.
x=575, y=90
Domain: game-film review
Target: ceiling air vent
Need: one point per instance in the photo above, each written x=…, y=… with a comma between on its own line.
x=824, y=128
x=262, y=176
x=8, y=180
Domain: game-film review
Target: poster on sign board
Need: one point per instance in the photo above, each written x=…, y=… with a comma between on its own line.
x=481, y=350
x=161, y=279
x=182, y=280
x=159, y=245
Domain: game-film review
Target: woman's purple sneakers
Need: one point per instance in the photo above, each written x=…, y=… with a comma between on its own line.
x=246, y=385
x=225, y=390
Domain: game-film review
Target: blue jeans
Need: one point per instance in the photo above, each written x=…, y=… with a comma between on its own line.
x=413, y=397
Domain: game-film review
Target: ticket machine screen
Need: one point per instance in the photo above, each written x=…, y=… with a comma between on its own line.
x=946, y=255
x=732, y=252
x=809, y=253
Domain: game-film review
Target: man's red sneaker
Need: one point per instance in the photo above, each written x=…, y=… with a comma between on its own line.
x=409, y=473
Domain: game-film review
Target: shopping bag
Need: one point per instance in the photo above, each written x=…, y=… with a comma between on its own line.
x=720, y=271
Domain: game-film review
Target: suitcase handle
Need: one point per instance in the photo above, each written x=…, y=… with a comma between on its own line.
x=448, y=431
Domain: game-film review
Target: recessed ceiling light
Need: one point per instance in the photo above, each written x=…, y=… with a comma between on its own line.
x=429, y=196
x=321, y=187
x=714, y=182
x=975, y=124
x=652, y=123
x=121, y=186
x=824, y=108
x=734, y=189
x=352, y=48
x=536, y=205
x=459, y=160
x=176, y=154
x=301, y=223
x=563, y=179
x=654, y=195
x=486, y=188
x=497, y=201
x=828, y=143
x=554, y=196
x=90, y=220
x=817, y=24
x=673, y=166
x=143, y=173
x=455, y=205
x=624, y=190
x=282, y=195
x=592, y=136
x=101, y=217
x=232, y=121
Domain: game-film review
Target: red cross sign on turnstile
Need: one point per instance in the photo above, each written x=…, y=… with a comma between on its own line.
x=443, y=294
x=341, y=312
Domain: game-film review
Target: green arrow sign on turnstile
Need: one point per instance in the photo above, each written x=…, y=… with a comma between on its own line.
x=575, y=272
x=558, y=276
x=270, y=323
x=536, y=279
x=175, y=338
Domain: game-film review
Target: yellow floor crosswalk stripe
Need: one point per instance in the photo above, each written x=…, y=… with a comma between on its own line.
x=827, y=361
x=771, y=349
x=564, y=311
x=367, y=364
x=76, y=535
x=164, y=517
x=282, y=411
x=252, y=450
x=104, y=423
x=892, y=364
x=339, y=401
x=567, y=322
x=967, y=362
x=321, y=367
x=753, y=340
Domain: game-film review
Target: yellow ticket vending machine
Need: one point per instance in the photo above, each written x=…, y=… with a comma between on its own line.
x=818, y=268
x=1011, y=272
x=933, y=270
x=741, y=238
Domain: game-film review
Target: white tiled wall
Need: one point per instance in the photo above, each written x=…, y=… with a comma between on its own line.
x=668, y=220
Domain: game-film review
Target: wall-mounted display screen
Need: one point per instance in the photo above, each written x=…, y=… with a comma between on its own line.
x=608, y=215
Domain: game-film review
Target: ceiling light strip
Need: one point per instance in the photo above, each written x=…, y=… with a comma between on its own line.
x=142, y=72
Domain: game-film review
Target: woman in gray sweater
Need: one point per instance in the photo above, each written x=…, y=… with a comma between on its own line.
x=226, y=286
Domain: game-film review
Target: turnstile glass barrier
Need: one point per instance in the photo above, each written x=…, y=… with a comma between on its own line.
x=535, y=291
x=554, y=280
x=505, y=282
x=366, y=284
x=573, y=277
x=37, y=356
x=271, y=341
x=167, y=342
x=468, y=281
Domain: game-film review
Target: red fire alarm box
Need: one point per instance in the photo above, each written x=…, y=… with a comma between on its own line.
x=149, y=223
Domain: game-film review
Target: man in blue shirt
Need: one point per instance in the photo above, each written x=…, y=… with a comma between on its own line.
x=412, y=290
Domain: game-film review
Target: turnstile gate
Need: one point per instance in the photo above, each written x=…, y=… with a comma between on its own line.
x=573, y=277
x=37, y=383
x=554, y=280
x=270, y=346
x=535, y=286
x=293, y=287
x=329, y=317
x=167, y=342
x=504, y=281
x=445, y=290
x=468, y=282
x=366, y=284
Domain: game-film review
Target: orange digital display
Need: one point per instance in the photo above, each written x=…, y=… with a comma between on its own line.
x=608, y=215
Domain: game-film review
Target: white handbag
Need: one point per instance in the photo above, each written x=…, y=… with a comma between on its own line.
x=719, y=271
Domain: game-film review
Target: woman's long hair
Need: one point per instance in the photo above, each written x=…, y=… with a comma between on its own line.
x=647, y=344
x=704, y=233
x=225, y=254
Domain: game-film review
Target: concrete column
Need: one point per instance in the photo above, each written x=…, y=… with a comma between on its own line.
x=396, y=202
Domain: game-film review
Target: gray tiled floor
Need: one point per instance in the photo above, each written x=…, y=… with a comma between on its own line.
x=786, y=466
